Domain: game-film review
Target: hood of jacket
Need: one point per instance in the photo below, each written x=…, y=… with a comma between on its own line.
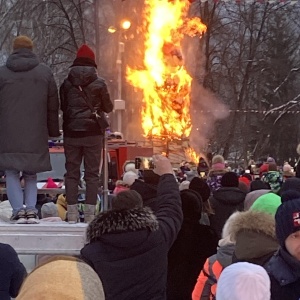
x=229, y=195
x=224, y=254
x=254, y=234
x=82, y=75
x=121, y=221
x=22, y=60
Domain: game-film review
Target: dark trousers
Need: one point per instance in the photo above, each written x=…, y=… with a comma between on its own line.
x=89, y=149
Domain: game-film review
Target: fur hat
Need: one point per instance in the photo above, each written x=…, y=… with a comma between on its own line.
x=218, y=159
x=191, y=203
x=287, y=219
x=127, y=200
x=230, y=179
x=218, y=162
x=49, y=210
x=267, y=203
x=22, y=41
x=200, y=186
x=85, y=51
x=245, y=281
x=63, y=279
x=129, y=178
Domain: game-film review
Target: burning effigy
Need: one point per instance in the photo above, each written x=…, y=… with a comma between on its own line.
x=164, y=81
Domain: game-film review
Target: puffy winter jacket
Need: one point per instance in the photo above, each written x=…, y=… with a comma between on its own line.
x=77, y=116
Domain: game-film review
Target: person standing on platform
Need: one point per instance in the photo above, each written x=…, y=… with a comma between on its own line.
x=28, y=116
x=83, y=137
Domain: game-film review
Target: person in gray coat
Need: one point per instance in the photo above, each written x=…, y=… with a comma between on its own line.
x=28, y=116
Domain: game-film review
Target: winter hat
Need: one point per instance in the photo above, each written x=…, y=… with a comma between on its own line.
x=291, y=184
x=51, y=184
x=129, y=178
x=259, y=185
x=245, y=281
x=127, y=200
x=85, y=52
x=271, y=160
x=184, y=185
x=230, y=179
x=251, y=197
x=200, y=186
x=22, y=41
x=267, y=203
x=218, y=162
x=49, y=210
x=130, y=166
x=287, y=170
x=245, y=180
x=191, y=204
x=62, y=279
x=243, y=187
x=287, y=219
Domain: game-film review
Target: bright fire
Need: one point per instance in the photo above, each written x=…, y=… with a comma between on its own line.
x=165, y=83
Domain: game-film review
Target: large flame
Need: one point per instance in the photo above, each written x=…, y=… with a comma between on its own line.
x=164, y=81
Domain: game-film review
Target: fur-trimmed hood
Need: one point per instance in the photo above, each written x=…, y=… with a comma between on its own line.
x=254, y=236
x=121, y=221
x=256, y=221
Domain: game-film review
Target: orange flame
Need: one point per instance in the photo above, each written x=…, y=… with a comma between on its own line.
x=165, y=83
x=191, y=155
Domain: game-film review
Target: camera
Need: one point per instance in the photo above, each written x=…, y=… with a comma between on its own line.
x=144, y=163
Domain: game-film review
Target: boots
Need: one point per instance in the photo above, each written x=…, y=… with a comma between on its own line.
x=72, y=213
x=89, y=213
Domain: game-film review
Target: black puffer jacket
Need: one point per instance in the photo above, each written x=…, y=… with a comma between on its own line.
x=77, y=116
x=224, y=202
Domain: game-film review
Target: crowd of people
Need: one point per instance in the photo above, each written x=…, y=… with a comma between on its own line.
x=220, y=236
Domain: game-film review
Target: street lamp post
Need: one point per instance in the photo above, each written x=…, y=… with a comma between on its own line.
x=119, y=103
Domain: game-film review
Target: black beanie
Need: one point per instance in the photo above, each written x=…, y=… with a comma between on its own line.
x=291, y=184
x=191, y=203
x=287, y=217
x=200, y=186
x=127, y=200
x=230, y=179
x=259, y=185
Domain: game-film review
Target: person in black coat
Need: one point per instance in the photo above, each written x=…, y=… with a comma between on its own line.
x=128, y=246
x=225, y=201
x=194, y=244
x=28, y=116
x=82, y=90
x=12, y=272
x=284, y=267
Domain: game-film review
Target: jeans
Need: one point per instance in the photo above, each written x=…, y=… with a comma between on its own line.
x=87, y=149
x=15, y=194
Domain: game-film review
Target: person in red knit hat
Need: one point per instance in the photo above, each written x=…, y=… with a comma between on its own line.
x=81, y=91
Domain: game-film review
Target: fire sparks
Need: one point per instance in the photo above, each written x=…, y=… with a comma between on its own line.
x=165, y=83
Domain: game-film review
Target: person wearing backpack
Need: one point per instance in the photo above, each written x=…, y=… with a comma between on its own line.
x=82, y=95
